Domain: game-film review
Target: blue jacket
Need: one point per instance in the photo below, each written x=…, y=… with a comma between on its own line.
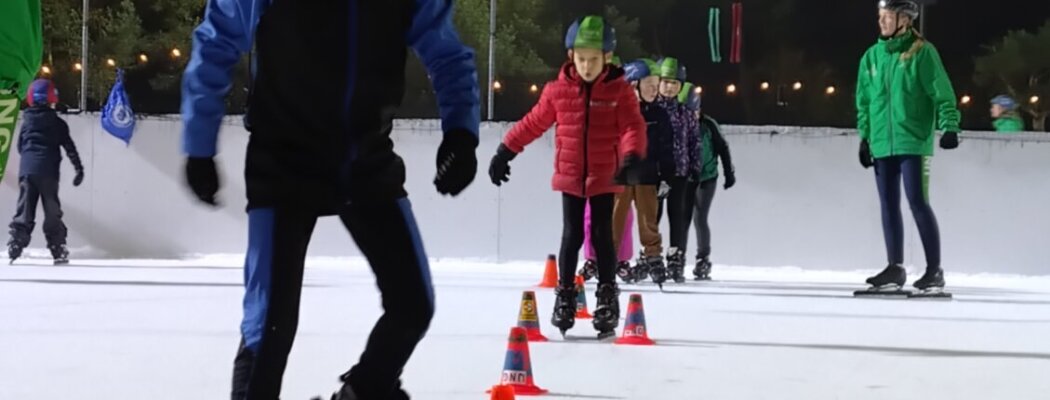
x=327, y=78
x=39, y=140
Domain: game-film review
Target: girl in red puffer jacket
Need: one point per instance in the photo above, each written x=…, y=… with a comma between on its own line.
x=600, y=133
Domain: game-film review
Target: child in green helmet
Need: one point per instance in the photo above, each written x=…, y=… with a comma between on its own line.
x=600, y=137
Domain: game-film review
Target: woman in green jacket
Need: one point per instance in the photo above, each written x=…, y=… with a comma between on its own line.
x=20, y=52
x=1004, y=113
x=903, y=95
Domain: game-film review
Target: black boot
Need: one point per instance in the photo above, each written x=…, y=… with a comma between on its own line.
x=932, y=280
x=891, y=278
x=14, y=251
x=347, y=393
x=623, y=270
x=702, y=272
x=588, y=270
x=657, y=271
x=59, y=253
x=564, y=315
x=676, y=265
x=607, y=310
x=641, y=268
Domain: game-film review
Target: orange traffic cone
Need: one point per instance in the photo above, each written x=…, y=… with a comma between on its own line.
x=502, y=392
x=634, y=331
x=517, y=367
x=550, y=274
x=581, y=300
x=528, y=318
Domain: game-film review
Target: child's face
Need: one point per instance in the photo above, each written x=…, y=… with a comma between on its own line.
x=649, y=88
x=670, y=87
x=589, y=62
x=997, y=111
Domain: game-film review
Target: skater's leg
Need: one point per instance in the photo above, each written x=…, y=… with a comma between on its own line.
x=705, y=195
x=646, y=203
x=387, y=234
x=273, y=276
x=888, y=178
x=625, y=245
x=916, y=172
x=572, y=208
x=588, y=246
x=25, y=214
x=676, y=202
x=54, y=228
x=601, y=226
x=621, y=206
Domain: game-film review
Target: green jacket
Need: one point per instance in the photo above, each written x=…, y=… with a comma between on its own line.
x=21, y=44
x=903, y=94
x=1009, y=124
x=712, y=148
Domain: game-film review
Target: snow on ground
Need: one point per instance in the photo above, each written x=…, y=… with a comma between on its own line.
x=137, y=329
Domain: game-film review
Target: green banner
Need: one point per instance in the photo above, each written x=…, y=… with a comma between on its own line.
x=8, y=118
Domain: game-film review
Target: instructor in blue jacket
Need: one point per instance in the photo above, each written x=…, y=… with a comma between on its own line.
x=327, y=78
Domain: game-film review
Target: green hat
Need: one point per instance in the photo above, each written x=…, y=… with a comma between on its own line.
x=616, y=61
x=670, y=69
x=653, y=67
x=591, y=32
x=683, y=95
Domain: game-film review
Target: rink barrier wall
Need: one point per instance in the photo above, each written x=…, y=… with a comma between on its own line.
x=802, y=199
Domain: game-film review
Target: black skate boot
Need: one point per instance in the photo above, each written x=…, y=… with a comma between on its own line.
x=564, y=315
x=657, y=270
x=588, y=270
x=607, y=311
x=931, y=285
x=888, y=283
x=676, y=266
x=623, y=270
x=641, y=268
x=347, y=393
x=14, y=251
x=702, y=272
x=59, y=253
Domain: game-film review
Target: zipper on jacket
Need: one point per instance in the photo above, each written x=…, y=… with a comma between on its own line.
x=586, y=127
x=889, y=107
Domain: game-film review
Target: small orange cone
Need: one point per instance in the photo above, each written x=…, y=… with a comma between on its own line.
x=517, y=367
x=581, y=300
x=528, y=318
x=550, y=274
x=634, y=331
x=502, y=392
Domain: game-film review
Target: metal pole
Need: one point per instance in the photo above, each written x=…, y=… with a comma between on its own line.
x=492, y=55
x=922, y=19
x=84, y=57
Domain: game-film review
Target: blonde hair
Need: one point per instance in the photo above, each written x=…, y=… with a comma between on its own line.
x=915, y=46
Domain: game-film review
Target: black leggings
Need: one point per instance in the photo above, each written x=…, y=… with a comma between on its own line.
x=705, y=194
x=916, y=173
x=601, y=237
x=680, y=211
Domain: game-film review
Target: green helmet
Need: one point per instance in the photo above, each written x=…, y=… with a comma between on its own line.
x=591, y=32
x=653, y=67
x=670, y=69
x=683, y=95
x=616, y=61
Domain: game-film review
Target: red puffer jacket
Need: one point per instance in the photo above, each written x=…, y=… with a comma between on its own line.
x=598, y=125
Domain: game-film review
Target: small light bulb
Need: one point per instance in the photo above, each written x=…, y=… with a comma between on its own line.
x=46, y=70
x=764, y=86
x=496, y=85
x=797, y=86
x=534, y=88
x=111, y=63
x=830, y=90
x=731, y=89
x=1034, y=99
x=176, y=53
x=966, y=99
x=699, y=90
x=78, y=67
x=143, y=58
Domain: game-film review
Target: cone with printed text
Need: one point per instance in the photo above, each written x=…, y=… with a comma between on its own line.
x=634, y=330
x=517, y=367
x=550, y=273
x=581, y=300
x=528, y=318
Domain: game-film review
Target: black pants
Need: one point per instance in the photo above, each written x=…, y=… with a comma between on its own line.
x=680, y=201
x=705, y=195
x=34, y=188
x=601, y=237
x=277, y=240
x=916, y=173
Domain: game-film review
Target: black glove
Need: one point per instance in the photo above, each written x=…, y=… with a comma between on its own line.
x=202, y=178
x=79, y=178
x=629, y=173
x=866, y=160
x=456, y=162
x=499, y=169
x=730, y=179
x=950, y=140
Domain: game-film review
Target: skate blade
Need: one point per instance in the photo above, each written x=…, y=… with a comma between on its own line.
x=932, y=294
x=888, y=291
x=605, y=336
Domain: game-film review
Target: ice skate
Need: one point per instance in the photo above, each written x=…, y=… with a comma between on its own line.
x=564, y=315
x=888, y=283
x=657, y=270
x=641, y=268
x=588, y=270
x=14, y=251
x=676, y=266
x=623, y=270
x=931, y=285
x=59, y=253
x=702, y=272
x=607, y=311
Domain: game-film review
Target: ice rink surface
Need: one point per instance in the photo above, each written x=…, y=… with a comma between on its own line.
x=142, y=329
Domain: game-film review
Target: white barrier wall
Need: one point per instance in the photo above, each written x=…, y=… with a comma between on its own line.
x=802, y=200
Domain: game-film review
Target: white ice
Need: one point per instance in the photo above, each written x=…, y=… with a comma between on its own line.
x=168, y=330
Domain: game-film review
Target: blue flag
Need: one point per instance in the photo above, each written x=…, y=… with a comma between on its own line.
x=117, y=117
